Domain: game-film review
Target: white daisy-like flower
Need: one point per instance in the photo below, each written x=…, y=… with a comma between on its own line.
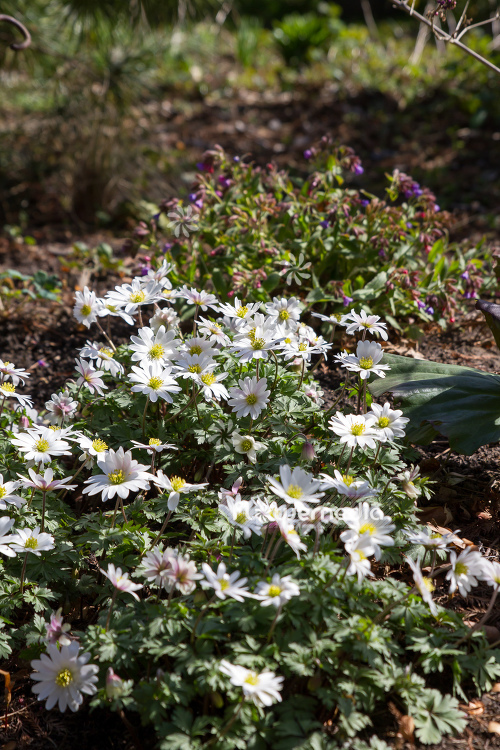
x=365, y=323
x=176, y=486
x=424, y=585
x=241, y=514
x=270, y=512
x=312, y=391
x=154, y=445
x=6, y=539
x=213, y=331
x=370, y=520
x=198, y=345
x=409, y=487
x=491, y=573
x=255, y=345
x=121, y=475
x=155, y=565
x=238, y=310
x=45, y=482
x=182, y=574
x=303, y=350
x=262, y=689
x=337, y=319
x=8, y=390
x=353, y=429
x=60, y=407
x=7, y=496
x=201, y=299
x=388, y=423
x=223, y=493
x=365, y=361
x=285, y=311
x=132, y=296
x=297, y=487
x=225, y=584
x=149, y=347
x=8, y=371
x=247, y=445
x=62, y=676
x=211, y=385
x=250, y=397
x=40, y=445
x=278, y=592
x=92, y=449
x=193, y=366
x=348, y=485
x=56, y=630
x=90, y=377
x=105, y=357
x=431, y=540
x=290, y=535
x=31, y=540
x=154, y=380
x=107, y=308
x=166, y=318
x=160, y=274
x=466, y=570
x=359, y=550
x=87, y=307
x=121, y=581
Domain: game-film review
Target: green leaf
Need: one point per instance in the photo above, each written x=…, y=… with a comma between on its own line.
x=436, y=715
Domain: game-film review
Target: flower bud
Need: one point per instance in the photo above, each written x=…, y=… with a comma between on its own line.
x=24, y=422
x=308, y=453
x=114, y=684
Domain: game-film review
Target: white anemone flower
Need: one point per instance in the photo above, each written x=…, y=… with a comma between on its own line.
x=62, y=675
x=120, y=581
x=198, y=345
x=31, y=540
x=348, y=485
x=432, y=540
x=262, y=689
x=107, y=308
x=491, y=574
x=87, y=307
x=466, y=570
x=211, y=385
x=9, y=371
x=193, y=366
x=302, y=350
x=176, y=486
x=213, y=331
x=166, y=318
x=121, y=475
x=40, y=445
x=149, y=347
x=182, y=574
x=271, y=512
x=160, y=274
x=90, y=377
x=366, y=323
x=200, y=299
x=225, y=584
x=365, y=361
x=154, y=445
x=56, y=630
x=92, y=449
x=370, y=520
x=254, y=345
x=6, y=525
x=278, y=592
x=388, y=423
x=337, y=319
x=105, y=357
x=132, y=296
x=238, y=310
x=290, y=535
x=241, y=514
x=155, y=564
x=285, y=311
x=154, y=380
x=312, y=391
x=7, y=496
x=424, y=585
x=45, y=482
x=297, y=487
x=355, y=430
x=8, y=390
x=60, y=407
x=247, y=445
x=359, y=550
x=250, y=397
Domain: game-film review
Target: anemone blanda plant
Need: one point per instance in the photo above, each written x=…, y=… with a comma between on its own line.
x=238, y=564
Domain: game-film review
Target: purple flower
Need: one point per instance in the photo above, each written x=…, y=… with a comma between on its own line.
x=166, y=247
x=42, y=363
x=358, y=169
x=420, y=304
x=192, y=197
x=465, y=275
x=469, y=295
x=324, y=223
x=429, y=310
x=365, y=203
x=236, y=159
x=437, y=208
x=346, y=300
x=308, y=153
x=224, y=182
x=382, y=254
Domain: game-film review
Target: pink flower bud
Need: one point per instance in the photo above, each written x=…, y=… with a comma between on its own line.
x=114, y=684
x=308, y=453
x=24, y=422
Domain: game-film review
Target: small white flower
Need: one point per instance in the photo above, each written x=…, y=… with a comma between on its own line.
x=238, y=310
x=40, y=445
x=60, y=407
x=431, y=540
x=365, y=323
x=154, y=380
x=160, y=275
x=270, y=512
x=6, y=539
x=9, y=371
x=225, y=584
x=491, y=574
x=297, y=487
x=121, y=475
x=285, y=311
x=87, y=307
x=241, y=514
x=166, y=318
x=105, y=357
x=92, y=449
x=359, y=550
x=176, y=486
x=407, y=477
x=62, y=676
x=149, y=347
x=211, y=385
x=248, y=445
x=90, y=377
x=193, y=366
x=154, y=446
x=31, y=540
x=255, y=345
x=201, y=299
x=348, y=485
x=466, y=570
x=388, y=423
x=279, y=591
x=8, y=390
x=365, y=361
x=250, y=397
x=198, y=345
x=155, y=565
x=121, y=581
x=262, y=689
x=424, y=585
x=353, y=429
x=182, y=574
x=56, y=630
x=183, y=221
x=337, y=319
x=45, y=482
x=6, y=494
x=213, y=331
x=107, y=308
x=312, y=391
x=290, y=535
x=134, y=295
x=370, y=520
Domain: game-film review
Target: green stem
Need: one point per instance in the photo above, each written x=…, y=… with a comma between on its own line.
x=197, y=622
x=167, y=519
x=481, y=622
x=42, y=525
x=275, y=372
x=110, y=609
x=273, y=624
x=144, y=419
x=302, y=374
x=23, y=572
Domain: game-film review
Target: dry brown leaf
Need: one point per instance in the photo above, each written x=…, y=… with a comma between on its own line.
x=475, y=708
x=496, y=688
x=407, y=728
x=437, y=514
x=494, y=727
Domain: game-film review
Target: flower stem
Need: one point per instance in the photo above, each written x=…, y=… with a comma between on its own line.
x=144, y=419
x=350, y=459
x=273, y=624
x=108, y=339
x=200, y=615
x=167, y=519
x=302, y=374
x=482, y=621
x=275, y=372
x=23, y=573
x=110, y=609
x=42, y=525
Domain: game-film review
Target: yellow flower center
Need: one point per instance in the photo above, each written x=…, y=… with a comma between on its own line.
x=208, y=378
x=99, y=445
x=428, y=584
x=433, y=536
x=368, y=527
x=366, y=362
x=274, y=590
x=258, y=343
x=224, y=584
x=42, y=445
x=461, y=569
x=6, y=365
x=302, y=347
x=64, y=678
x=194, y=368
x=156, y=352
x=295, y=491
x=111, y=308
x=348, y=479
x=31, y=543
x=155, y=383
x=288, y=340
x=154, y=441
x=137, y=297
x=361, y=555
x=284, y=315
x=357, y=429
x=251, y=399
x=242, y=311
x=241, y=517
x=177, y=483
x=246, y=444
x=3, y=491
x=116, y=477
x=104, y=352
x=384, y=422
x=8, y=387
x=252, y=679
x=196, y=349
x=86, y=310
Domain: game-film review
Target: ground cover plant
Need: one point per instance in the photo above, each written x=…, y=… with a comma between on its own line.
x=187, y=533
